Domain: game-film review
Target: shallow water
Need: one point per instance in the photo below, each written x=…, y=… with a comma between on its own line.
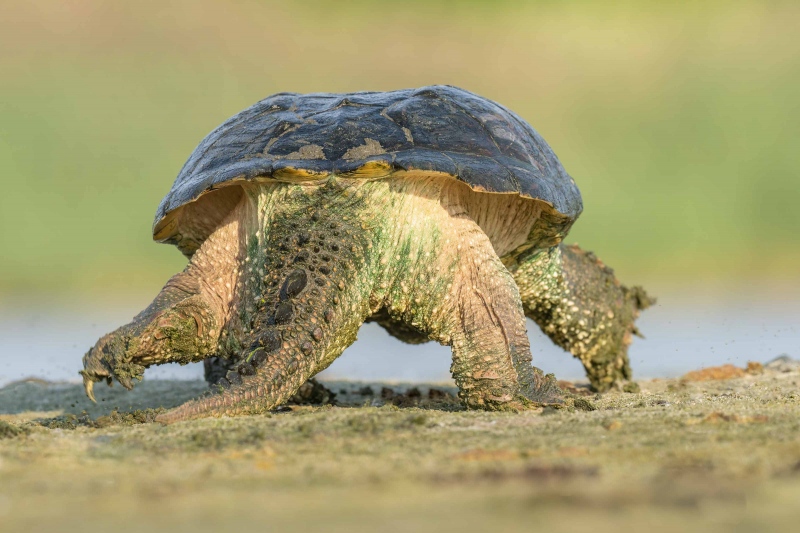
x=682, y=335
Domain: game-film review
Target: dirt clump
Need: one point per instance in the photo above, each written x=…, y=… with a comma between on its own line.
x=720, y=373
x=312, y=392
x=8, y=430
x=719, y=417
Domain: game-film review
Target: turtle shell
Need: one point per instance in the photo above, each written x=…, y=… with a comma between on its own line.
x=306, y=137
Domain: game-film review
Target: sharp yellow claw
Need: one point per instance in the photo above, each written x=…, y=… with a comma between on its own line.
x=88, y=386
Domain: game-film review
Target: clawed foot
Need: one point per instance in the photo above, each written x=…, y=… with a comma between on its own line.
x=106, y=361
x=543, y=391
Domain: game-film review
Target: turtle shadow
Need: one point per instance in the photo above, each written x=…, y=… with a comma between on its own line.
x=64, y=404
x=433, y=397
x=65, y=399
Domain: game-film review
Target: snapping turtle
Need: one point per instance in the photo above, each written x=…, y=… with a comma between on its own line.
x=435, y=212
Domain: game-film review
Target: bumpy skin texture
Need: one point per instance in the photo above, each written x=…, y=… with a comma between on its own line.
x=397, y=328
x=582, y=307
x=178, y=327
x=434, y=212
x=181, y=325
x=319, y=260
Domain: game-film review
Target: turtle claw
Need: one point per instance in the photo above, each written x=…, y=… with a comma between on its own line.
x=102, y=363
x=88, y=386
x=94, y=369
x=89, y=379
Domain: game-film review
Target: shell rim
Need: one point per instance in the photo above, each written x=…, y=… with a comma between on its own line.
x=165, y=227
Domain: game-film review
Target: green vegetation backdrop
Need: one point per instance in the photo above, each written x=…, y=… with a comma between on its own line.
x=679, y=121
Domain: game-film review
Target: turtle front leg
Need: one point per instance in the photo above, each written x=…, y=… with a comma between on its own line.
x=582, y=307
x=180, y=326
x=183, y=323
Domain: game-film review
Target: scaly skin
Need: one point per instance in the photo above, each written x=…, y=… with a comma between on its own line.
x=181, y=325
x=582, y=307
x=314, y=261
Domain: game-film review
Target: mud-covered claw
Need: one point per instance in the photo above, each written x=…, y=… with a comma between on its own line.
x=95, y=369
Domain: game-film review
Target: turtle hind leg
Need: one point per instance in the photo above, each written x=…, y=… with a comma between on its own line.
x=582, y=307
x=458, y=292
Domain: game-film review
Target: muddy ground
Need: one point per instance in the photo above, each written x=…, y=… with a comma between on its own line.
x=717, y=451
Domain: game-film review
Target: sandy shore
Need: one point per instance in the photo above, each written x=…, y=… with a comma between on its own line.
x=710, y=455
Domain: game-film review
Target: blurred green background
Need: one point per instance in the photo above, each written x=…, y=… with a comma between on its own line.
x=679, y=121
